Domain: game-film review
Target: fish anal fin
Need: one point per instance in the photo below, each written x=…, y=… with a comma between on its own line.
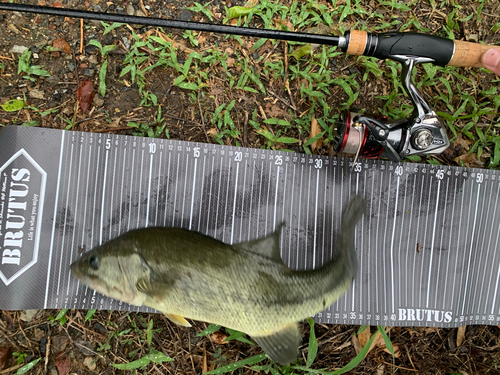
x=177, y=319
x=281, y=346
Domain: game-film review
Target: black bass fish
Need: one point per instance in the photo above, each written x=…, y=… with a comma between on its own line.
x=245, y=286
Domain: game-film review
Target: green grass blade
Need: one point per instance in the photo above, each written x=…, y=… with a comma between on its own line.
x=387, y=340
x=209, y=330
x=90, y=314
x=313, y=345
x=132, y=365
x=236, y=365
x=27, y=367
x=355, y=361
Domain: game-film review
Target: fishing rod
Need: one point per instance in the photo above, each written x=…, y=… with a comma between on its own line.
x=420, y=134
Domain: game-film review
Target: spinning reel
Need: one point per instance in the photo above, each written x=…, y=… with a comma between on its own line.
x=420, y=134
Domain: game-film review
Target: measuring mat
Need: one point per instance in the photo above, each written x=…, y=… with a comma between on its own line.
x=428, y=245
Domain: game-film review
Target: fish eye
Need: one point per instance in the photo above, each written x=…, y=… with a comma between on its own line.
x=94, y=262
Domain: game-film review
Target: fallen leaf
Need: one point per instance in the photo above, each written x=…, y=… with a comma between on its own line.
x=90, y=363
x=356, y=344
x=364, y=336
x=315, y=130
x=5, y=352
x=13, y=105
x=470, y=160
x=57, y=4
x=62, y=45
x=460, y=335
x=62, y=363
x=27, y=315
x=85, y=95
x=212, y=132
x=219, y=338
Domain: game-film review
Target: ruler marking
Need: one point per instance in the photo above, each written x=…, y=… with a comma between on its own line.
x=376, y=242
x=130, y=192
x=192, y=194
x=470, y=302
x=283, y=212
x=465, y=244
x=424, y=251
x=276, y=196
x=385, y=239
x=234, y=200
x=291, y=222
x=65, y=218
x=449, y=248
x=103, y=196
x=368, y=260
x=268, y=193
x=260, y=196
x=416, y=240
x=392, y=242
x=341, y=202
x=251, y=201
x=298, y=221
x=325, y=203
x=186, y=167
x=431, y=250
x=95, y=196
x=121, y=191
x=76, y=215
x=470, y=251
x=202, y=193
x=354, y=281
x=243, y=199
x=166, y=193
x=158, y=189
x=218, y=201
x=210, y=195
x=458, y=244
x=315, y=218
x=85, y=210
x=148, y=199
x=306, y=229
x=441, y=242
x=497, y=282
x=226, y=202
x=140, y=190
x=491, y=272
x=112, y=195
x=401, y=279
x=478, y=297
x=176, y=185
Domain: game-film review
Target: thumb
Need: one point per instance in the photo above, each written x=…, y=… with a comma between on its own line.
x=491, y=60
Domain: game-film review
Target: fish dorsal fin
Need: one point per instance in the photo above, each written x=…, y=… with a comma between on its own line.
x=281, y=346
x=268, y=246
x=177, y=319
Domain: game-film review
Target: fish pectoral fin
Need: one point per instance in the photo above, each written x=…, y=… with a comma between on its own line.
x=281, y=346
x=177, y=319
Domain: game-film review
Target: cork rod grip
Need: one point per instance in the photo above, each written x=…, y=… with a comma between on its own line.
x=357, y=42
x=468, y=54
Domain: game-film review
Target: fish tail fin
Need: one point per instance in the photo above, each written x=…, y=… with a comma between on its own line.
x=351, y=214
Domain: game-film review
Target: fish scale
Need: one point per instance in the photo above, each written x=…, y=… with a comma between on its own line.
x=427, y=246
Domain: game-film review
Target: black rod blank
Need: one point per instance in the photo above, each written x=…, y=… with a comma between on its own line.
x=160, y=22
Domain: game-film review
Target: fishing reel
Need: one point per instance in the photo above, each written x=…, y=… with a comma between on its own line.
x=421, y=134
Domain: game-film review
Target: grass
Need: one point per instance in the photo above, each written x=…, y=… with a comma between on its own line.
x=312, y=72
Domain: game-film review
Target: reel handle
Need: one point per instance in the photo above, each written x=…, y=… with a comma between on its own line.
x=441, y=51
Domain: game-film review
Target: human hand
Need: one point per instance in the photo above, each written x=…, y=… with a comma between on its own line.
x=491, y=60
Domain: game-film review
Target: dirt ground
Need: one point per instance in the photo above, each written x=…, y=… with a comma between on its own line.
x=78, y=346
